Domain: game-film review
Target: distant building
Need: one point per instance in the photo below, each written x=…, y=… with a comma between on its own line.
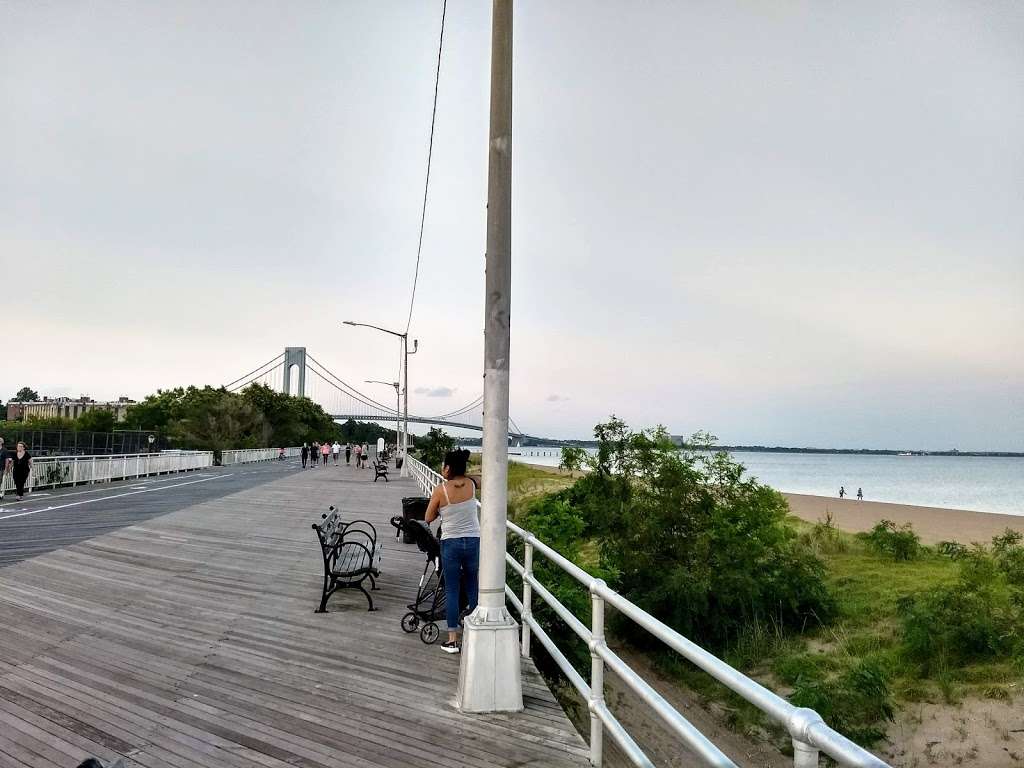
x=66, y=408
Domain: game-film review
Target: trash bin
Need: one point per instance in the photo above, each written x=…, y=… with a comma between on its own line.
x=398, y=462
x=413, y=508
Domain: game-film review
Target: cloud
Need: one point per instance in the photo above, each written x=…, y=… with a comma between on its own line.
x=557, y=399
x=435, y=391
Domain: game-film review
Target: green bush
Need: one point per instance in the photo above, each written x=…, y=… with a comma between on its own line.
x=1009, y=555
x=978, y=617
x=693, y=542
x=554, y=521
x=897, y=542
x=433, y=446
x=856, y=703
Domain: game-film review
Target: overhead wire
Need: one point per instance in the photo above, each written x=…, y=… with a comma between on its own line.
x=430, y=154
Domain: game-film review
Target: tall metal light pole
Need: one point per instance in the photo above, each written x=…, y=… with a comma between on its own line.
x=405, y=357
x=398, y=406
x=490, y=676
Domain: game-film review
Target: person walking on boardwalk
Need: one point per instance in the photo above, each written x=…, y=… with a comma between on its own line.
x=22, y=468
x=325, y=451
x=315, y=456
x=304, y=453
x=348, y=453
x=5, y=466
x=365, y=454
x=842, y=491
x=336, y=449
x=358, y=451
x=455, y=501
x=860, y=494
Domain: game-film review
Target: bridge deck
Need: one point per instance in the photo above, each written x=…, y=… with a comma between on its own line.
x=190, y=640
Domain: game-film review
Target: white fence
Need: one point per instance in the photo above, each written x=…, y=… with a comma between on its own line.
x=54, y=471
x=809, y=733
x=250, y=455
x=72, y=470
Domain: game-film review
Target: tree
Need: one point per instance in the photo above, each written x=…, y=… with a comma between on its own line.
x=693, y=541
x=434, y=446
x=573, y=459
x=156, y=411
x=96, y=420
x=25, y=395
x=366, y=432
x=217, y=420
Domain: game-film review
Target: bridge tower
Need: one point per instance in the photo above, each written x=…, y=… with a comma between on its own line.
x=295, y=358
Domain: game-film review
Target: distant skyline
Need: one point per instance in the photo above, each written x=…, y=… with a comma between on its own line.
x=788, y=224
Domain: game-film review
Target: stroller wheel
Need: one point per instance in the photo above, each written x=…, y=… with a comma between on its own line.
x=410, y=622
x=430, y=633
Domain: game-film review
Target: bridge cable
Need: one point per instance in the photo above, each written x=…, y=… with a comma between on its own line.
x=268, y=368
x=240, y=378
x=430, y=153
x=345, y=387
x=458, y=412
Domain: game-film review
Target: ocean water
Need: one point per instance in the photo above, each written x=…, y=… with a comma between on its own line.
x=957, y=482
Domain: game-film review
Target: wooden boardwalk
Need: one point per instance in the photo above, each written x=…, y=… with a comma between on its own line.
x=191, y=640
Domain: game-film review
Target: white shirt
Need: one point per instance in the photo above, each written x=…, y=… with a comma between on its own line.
x=336, y=447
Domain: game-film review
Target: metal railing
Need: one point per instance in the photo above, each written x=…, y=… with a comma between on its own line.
x=74, y=470
x=250, y=455
x=809, y=733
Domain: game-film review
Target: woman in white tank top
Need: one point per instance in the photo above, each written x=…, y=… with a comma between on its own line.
x=455, y=501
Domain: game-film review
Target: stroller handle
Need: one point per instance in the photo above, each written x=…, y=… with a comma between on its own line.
x=399, y=522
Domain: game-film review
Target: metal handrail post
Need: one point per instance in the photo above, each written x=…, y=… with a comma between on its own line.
x=804, y=755
x=596, y=674
x=527, y=612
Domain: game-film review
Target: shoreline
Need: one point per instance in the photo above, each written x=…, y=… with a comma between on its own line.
x=932, y=524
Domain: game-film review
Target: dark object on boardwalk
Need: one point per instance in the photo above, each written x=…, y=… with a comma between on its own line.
x=413, y=508
x=380, y=469
x=92, y=762
x=428, y=607
x=351, y=555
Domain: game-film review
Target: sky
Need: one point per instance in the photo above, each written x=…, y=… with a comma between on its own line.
x=791, y=223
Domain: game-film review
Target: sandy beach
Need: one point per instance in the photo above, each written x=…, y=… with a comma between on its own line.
x=932, y=524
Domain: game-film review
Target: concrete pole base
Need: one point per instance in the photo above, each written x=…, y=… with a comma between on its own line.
x=490, y=677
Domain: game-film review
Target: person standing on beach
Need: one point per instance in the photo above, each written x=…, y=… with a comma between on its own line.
x=842, y=491
x=304, y=453
x=860, y=494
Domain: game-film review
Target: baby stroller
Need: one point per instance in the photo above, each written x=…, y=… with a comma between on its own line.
x=429, y=604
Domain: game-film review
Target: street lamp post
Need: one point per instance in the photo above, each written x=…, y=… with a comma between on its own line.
x=398, y=405
x=405, y=357
x=490, y=673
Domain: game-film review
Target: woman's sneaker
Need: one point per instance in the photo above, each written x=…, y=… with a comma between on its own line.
x=451, y=646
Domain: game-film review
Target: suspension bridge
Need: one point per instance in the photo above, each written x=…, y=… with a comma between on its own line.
x=296, y=372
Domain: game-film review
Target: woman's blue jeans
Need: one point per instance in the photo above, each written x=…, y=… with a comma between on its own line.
x=460, y=559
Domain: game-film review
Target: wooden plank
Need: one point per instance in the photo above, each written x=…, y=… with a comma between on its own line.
x=190, y=640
